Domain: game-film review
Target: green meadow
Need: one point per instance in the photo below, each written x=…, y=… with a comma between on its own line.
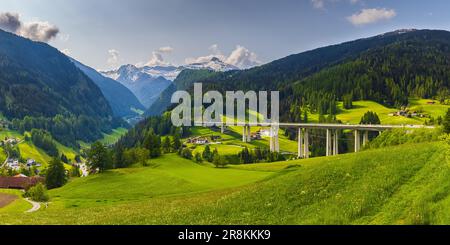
x=353, y=116
x=231, y=141
x=29, y=150
x=384, y=184
x=406, y=184
x=114, y=136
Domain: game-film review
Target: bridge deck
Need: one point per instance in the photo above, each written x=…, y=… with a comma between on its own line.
x=324, y=126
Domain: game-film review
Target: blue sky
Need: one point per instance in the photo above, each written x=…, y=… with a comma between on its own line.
x=105, y=33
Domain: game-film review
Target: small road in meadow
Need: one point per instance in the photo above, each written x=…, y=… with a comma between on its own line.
x=36, y=206
x=6, y=160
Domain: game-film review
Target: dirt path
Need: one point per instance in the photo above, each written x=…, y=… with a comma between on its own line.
x=6, y=199
x=6, y=160
x=36, y=206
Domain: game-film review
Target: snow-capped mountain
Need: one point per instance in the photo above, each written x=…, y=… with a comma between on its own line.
x=168, y=72
x=145, y=86
x=148, y=82
x=214, y=64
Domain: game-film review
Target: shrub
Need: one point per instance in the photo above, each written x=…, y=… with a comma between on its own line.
x=186, y=153
x=446, y=122
x=370, y=118
x=75, y=172
x=198, y=157
x=37, y=193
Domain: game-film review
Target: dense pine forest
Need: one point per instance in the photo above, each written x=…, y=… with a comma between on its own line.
x=388, y=75
x=41, y=88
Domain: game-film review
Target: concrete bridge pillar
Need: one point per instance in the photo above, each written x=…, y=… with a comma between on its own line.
x=357, y=141
x=336, y=143
x=365, y=138
x=274, y=144
x=271, y=140
x=300, y=143
x=306, y=143
x=246, y=135
x=328, y=144
x=222, y=128
x=276, y=141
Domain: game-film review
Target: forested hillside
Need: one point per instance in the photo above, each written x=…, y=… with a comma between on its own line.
x=388, y=75
x=41, y=88
x=386, y=68
x=122, y=101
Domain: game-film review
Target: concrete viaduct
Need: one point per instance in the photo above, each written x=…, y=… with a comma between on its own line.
x=332, y=136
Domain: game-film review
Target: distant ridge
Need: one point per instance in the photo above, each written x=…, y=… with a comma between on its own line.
x=122, y=100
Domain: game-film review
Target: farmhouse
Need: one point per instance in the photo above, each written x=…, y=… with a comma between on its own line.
x=198, y=141
x=32, y=162
x=264, y=133
x=11, y=140
x=13, y=164
x=19, y=182
x=255, y=136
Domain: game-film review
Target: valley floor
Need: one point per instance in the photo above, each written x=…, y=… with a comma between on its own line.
x=408, y=184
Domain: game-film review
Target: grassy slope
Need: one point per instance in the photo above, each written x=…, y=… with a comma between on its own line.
x=354, y=115
x=29, y=150
x=398, y=185
x=231, y=142
x=168, y=175
x=109, y=139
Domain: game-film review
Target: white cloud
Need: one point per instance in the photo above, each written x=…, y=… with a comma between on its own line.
x=205, y=58
x=215, y=52
x=215, y=49
x=66, y=51
x=166, y=49
x=38, y=31
x=318, y=4
x=240, y=57
x=157, y=58
x=113, y=59
x=369, y=16
x=35, y=30
x=321, y=4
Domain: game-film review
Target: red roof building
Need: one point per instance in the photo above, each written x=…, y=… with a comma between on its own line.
x=19, y=182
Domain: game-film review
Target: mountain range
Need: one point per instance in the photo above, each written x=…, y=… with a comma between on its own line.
x=122, y=101
x=42, y=88
x=145, y=86
x=148, y=82
x=407, y=63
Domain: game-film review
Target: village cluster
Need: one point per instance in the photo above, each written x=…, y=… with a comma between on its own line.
x=14, y=163
x=215, y=139
x=406, y=112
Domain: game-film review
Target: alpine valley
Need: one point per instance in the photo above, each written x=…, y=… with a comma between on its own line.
x=103, y=150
